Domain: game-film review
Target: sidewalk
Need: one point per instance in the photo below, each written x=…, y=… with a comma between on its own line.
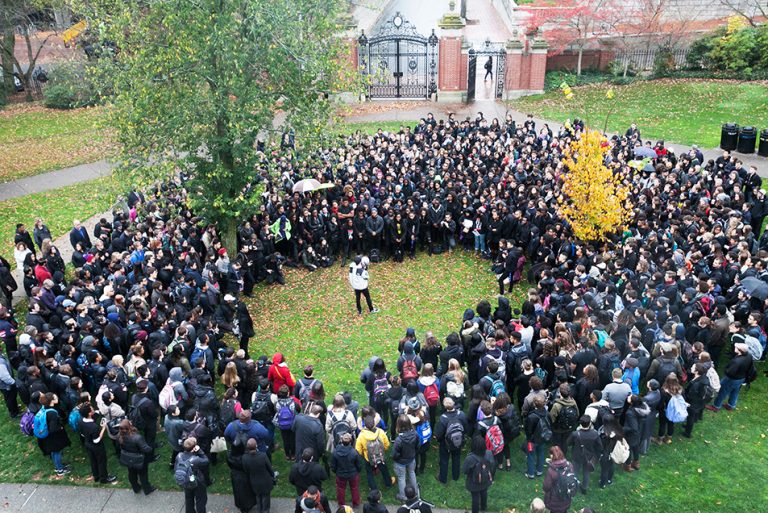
x=55, y=179
x=82, y=499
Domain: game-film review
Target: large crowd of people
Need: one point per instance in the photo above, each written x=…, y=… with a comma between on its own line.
x=616, y=343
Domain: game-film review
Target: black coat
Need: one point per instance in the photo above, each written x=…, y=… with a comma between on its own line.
x=309, y=433
x=585, y=445
x=306, y=473
x=57, y=439
x=694, y=394
x=259, y=471
x=345, y=462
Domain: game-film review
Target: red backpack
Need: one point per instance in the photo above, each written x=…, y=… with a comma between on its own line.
x=494, y=439
x=409, y=370
x=432, y=394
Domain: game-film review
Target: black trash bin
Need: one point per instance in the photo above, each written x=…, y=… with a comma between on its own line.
x=747, y=139
x=762, y=148
x=729, y=136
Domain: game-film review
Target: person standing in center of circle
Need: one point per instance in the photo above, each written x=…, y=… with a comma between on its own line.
x=358, y=279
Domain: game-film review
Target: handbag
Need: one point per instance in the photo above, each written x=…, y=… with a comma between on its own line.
x=132, y=460
x=219, y=444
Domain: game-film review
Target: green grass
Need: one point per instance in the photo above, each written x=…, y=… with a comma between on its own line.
x=371, y=127
x=34, y=139
x=681, y=111
x=57, y=207
x=312, y=320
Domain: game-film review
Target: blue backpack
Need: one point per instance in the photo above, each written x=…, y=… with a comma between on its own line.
x=424, y=430
x=74, y=420
x=677, y=410
x=40, y=424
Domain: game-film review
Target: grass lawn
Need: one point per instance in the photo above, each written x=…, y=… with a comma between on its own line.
x=681, y=111
x=57, y=207
x=312, y=320
x=34, y=139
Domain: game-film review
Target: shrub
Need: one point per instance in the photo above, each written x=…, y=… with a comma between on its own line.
x=69, y=87
x=663, y=62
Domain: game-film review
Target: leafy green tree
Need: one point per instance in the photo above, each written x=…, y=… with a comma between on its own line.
x=197, y=82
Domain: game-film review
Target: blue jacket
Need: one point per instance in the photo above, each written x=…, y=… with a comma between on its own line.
x=253, y=429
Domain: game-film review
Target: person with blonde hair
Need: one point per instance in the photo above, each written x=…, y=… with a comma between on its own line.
x=230, y=378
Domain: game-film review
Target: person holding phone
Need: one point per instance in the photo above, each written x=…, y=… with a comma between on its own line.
x=93, y=434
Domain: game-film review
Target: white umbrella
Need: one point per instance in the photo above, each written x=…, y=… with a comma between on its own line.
x=306, y=185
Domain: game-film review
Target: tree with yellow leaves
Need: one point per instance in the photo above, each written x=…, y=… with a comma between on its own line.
x=595, y=201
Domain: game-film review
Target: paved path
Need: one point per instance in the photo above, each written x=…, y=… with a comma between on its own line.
x=34, y=498
x=55, y=179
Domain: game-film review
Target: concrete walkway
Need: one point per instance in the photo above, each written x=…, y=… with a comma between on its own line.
x=55, y=179
x=33, y=498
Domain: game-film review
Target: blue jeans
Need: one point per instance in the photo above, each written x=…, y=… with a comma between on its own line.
x=728, y=388
x=56, y=457
x=535, y=459
x=402, y=471
x=480, y=242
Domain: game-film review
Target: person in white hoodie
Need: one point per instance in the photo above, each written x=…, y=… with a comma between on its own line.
x=358, y=279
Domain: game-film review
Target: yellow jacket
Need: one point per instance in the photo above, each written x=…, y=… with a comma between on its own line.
x=367, y=436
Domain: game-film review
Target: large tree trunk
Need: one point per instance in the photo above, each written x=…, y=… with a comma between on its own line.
x=6, y=56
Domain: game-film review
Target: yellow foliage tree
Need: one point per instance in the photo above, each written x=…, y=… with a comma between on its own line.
x=594, y=201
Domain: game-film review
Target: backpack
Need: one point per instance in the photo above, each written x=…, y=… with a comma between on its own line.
x=614, y=362
x=454, y=390
x=286, y=414
x=184, y=473
x=494, y=439
x=432, y=395
x=541, y=374
x=304, y=390
x=543, y=432
x=482, y=474
x=74, y=420
x=167, y=396
x=714, y=379
x=40, y=424
x=228, y=412
x=497, y=386
x=754, y=347
x=620, y=452
x=198, y=353
x=502, y=370
x=135, y=414
x=375, y=451
x=27, y=424
x=454, y=434
x=380, y=387
x=567, y=419
x=239, y=441
x=339, y=427
x=409, y=370
x=424, y=430
x=677, y=410
x=374, y=256
x=567, y=483
x=666, y=367
x=260, y=408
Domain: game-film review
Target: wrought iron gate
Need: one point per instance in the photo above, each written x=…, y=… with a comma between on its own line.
x=398, y=62
x=496, y=51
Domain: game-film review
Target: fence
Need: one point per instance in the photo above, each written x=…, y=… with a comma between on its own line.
x=642, y=60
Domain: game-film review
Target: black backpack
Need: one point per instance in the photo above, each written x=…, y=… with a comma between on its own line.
x=135, y=414
x=567, y=419
x=567, y=483
x=184, y=473
x=260, y=408
x=543, y=432
x=666, y=367
x=454, y=434
x=481, y=474
x=227, y=412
